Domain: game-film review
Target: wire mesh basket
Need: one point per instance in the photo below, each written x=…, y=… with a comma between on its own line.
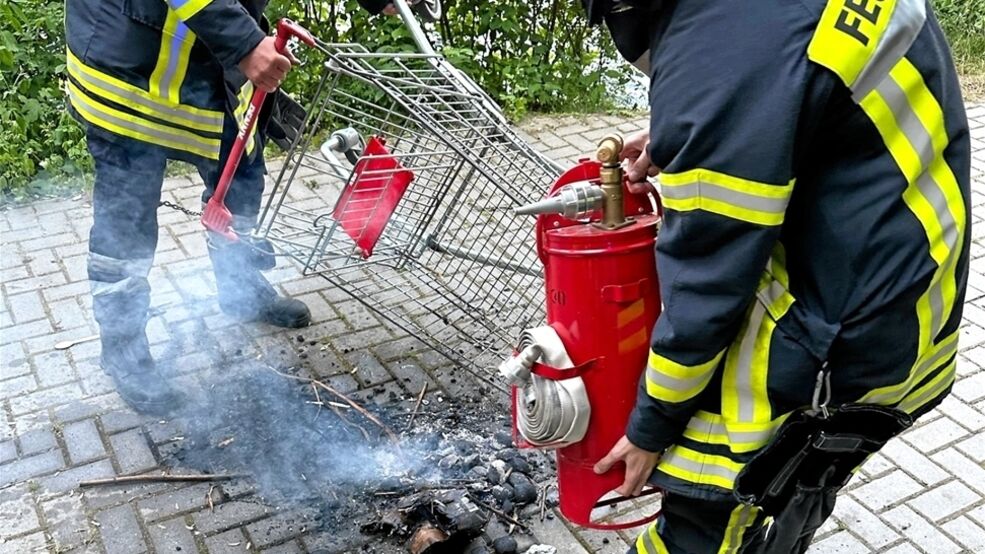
x=400, y=191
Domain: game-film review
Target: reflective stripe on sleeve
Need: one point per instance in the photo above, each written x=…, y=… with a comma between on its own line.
x=924, y=366
x=931, y=390
x=188, y=8
x=123, y=93
x=172, y=59
x=131, y=126
x=708, y=428
x=696, y=467
x=669, y=381
x=243, y=97
x=711, y=191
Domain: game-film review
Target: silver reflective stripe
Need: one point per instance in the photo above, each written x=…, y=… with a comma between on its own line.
x=746, y=515
x=912, y=403
x=180, y=32
x=135, y=272
x=702, y=426
x=904, y=26
x=675, y=459
x=919, y=137
x=215, y=122
x=772, y=293
x=938, y=358
x=648, y=543
x=743, y=377
x=137, y=127
x=703, y=189
x=675, y=384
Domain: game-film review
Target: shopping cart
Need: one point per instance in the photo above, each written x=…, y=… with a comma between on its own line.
x=400, y=190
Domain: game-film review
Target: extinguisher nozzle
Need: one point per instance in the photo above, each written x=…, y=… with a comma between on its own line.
x=553, y=205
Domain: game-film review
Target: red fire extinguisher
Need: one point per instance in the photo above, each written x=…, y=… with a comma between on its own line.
x=595, y=237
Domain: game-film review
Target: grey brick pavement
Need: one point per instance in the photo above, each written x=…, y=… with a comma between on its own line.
x=61, y=422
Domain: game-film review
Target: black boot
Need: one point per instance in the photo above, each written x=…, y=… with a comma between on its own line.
x=243, y=291
x=125, y=355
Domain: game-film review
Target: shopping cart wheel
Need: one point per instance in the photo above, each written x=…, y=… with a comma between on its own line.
x=428, y=10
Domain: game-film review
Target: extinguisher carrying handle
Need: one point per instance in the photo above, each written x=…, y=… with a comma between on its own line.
x=286, y=29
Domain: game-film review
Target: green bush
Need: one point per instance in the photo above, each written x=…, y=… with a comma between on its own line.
x=963, y=22
x=41, y=147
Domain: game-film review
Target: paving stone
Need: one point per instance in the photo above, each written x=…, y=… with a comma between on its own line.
x=66, y=521
x=26, y=307
x=83, y=441
x=8, y=451
x=905, y=548
x=28, y=543
x=132, y=452
x=970, y=535
x=863, y=523
x=841, y=542
x=277, y=529
x=900, y=454
x=10, y=388
x=973, y=447
x=53, y=368
x=919, y=531
x=970, y=388
x=31, y=466
x=173, y=502
x=38, y=440
x=961, y=467
x=172, y=536
x=120, y=532
x=944, y=500
x=45, y=398
x=229, y=514
x=69, y=479
x=886, y=491
x=935, y=434
x=17, y=512
x=230, y=542
x=291, y=547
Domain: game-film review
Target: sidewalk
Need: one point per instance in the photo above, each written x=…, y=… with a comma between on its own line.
x=61, y=421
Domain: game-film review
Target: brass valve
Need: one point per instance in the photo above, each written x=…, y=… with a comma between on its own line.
x=613, y=215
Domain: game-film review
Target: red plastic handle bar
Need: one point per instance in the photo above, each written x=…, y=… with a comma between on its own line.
x=286, y=29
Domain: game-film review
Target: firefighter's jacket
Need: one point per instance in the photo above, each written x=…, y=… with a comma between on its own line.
x=161, y=71
x=815, y=159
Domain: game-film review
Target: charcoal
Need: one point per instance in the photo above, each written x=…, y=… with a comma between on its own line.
x=519, y=464
x=505, y=545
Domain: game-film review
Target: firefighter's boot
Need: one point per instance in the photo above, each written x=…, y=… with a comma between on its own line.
x=125, y=356
x=244, y=293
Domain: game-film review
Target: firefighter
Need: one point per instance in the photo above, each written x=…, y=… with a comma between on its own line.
x=814, y=168
x=154, y=80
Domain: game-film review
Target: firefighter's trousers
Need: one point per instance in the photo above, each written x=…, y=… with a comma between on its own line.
x=693, y=526
x=126, y=194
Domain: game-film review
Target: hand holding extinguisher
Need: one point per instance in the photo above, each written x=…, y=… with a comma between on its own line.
x=216, y=216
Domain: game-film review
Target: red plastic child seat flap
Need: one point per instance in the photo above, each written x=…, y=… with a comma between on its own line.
x=370, y=198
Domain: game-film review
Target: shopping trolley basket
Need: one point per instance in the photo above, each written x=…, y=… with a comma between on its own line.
x=399, y=191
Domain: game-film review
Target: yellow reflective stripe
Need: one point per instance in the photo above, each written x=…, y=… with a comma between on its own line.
x=911, y=122
x=132, y=126
x=123, y=93
x=931, y=390
x=696, y=467
x=649, y=541
x=244, y=96
x=741, y=518
x=847, y=35
x=669, y=381
x=709, y=428
x=172, y=59
x=924, y=366
x=711, y=191
x=188, y=8
x=778, y=265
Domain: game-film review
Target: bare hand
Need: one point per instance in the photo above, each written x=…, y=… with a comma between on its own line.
x=639, y=465
x=634, y=150
x=265, y=66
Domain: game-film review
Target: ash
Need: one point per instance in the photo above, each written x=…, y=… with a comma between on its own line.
x=452, y=475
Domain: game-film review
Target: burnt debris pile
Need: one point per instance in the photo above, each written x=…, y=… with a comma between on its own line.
x=444, y=480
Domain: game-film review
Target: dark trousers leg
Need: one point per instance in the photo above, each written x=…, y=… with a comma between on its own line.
x=692, y=526
x=793, y=530
x=123, y=237
x=245, y=193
